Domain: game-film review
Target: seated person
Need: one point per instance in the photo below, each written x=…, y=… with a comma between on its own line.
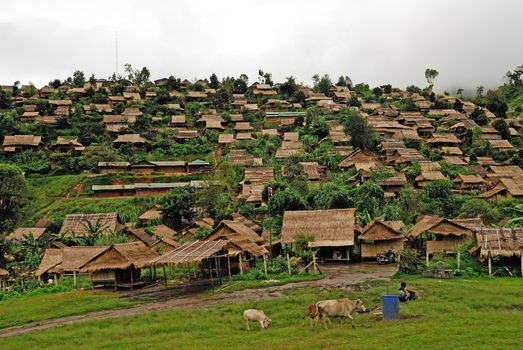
x=405, y=294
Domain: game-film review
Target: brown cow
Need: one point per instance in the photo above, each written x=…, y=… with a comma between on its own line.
x=310, y=313
x=338, y=308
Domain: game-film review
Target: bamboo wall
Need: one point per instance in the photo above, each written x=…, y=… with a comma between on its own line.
x=369, y=250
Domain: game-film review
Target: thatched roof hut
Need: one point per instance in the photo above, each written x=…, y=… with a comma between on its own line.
x=120, y=257
x=50, y=261
x=22, y=232
x=191, y=252
x=499, y=241
x=329, y=228
x=448, y=233
x=380, y=236
x=77, y=224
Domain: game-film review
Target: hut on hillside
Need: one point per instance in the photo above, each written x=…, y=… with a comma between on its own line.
x=331, y=231
x=505, y=244
x=443, y=236
x=119, y=265
x=77, y=225
x=65, y=261
x=380, y=236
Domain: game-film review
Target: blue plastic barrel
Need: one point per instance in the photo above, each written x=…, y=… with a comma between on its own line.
x=390, y=307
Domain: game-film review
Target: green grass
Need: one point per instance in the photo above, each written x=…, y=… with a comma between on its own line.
x=46, y=190
x=450, y=314
x=25, y=309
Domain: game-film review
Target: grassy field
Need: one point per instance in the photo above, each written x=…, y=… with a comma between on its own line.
x=450, y=314
x=55, y=196
x=26, y=309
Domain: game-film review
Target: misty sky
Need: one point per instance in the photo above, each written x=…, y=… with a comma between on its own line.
x=470, y=42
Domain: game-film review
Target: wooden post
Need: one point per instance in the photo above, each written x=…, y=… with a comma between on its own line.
x=489, y=264
x=427, y=257
x=196, y=268
x=241, y=264
x=459, y=259
x=132, y=278
x=265, y=264
x=288, y=264
x=229, y=265
x=55, y=280
x=314, y=263
x=521, y=255
x=74, y=279
x=164, y=276
x=210, y=272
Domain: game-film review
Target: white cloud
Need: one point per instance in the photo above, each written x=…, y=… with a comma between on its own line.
x=470, y=42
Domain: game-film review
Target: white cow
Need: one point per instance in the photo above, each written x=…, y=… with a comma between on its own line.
x=338, y=308
x=256, y=316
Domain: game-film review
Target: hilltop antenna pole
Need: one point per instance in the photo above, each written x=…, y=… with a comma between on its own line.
x=116, y=51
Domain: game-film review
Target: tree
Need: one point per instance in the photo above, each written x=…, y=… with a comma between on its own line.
x=359, y=130
x=431, y=75
x=479, y=116
x=288, y=88
x=92, y=155
x=514, y=77
x=139, y=76
x=501, y=126
x=78, y=79
x=344, y=81
x=377, y=91
x=177, y=207
x=286, y=199
x=458, y=105
x=14, y=195
x=214, y=82
x=479, y=91
x=437, y=198
x=322, y=84
x=459, y=92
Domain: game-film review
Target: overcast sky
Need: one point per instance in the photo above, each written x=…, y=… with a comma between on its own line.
x=470, y=42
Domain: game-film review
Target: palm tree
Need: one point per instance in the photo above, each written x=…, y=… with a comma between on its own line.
x=93, y=231
x=517, y=220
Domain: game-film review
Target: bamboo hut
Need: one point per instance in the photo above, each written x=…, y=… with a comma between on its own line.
x=381, y=236
x=4, y=276
x=332, y=231
x=505, y=244
x=441, y=235
x=119, y=265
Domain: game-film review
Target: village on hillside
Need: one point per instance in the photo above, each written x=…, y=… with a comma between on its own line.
x=118, y=179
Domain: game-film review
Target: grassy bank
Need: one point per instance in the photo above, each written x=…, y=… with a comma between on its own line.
x=450, y=314
x=26, y=309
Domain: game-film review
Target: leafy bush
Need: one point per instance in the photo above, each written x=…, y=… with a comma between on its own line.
x=411, y=262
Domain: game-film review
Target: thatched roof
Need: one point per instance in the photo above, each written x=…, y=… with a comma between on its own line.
x=443, y=138
x=234, y=229
x=250, y=224
x=151, y=214
x=500, y=144
x=118, y=119
x=191, y=252
x=130, y=138
x=75, y=224
x=21, y=232
x=120, y=256
x=140, y=234
x=504, y=184
x=430, y=176
x=332, y=227
x=52, y=258
x=440, y=226
x=74, y=258
x=240, y=157
x=499, y=241
x=163, y=231
x=226, y=138
x=357, y=156
x=378, y=230
x=22, y=140
x=242, y=126
x=469, y=179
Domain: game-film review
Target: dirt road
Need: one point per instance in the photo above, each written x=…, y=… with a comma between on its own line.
x=337, y=276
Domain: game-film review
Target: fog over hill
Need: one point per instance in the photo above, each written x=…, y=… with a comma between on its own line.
x=470, y=42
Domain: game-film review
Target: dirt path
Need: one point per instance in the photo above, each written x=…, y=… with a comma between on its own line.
x=346, y=276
